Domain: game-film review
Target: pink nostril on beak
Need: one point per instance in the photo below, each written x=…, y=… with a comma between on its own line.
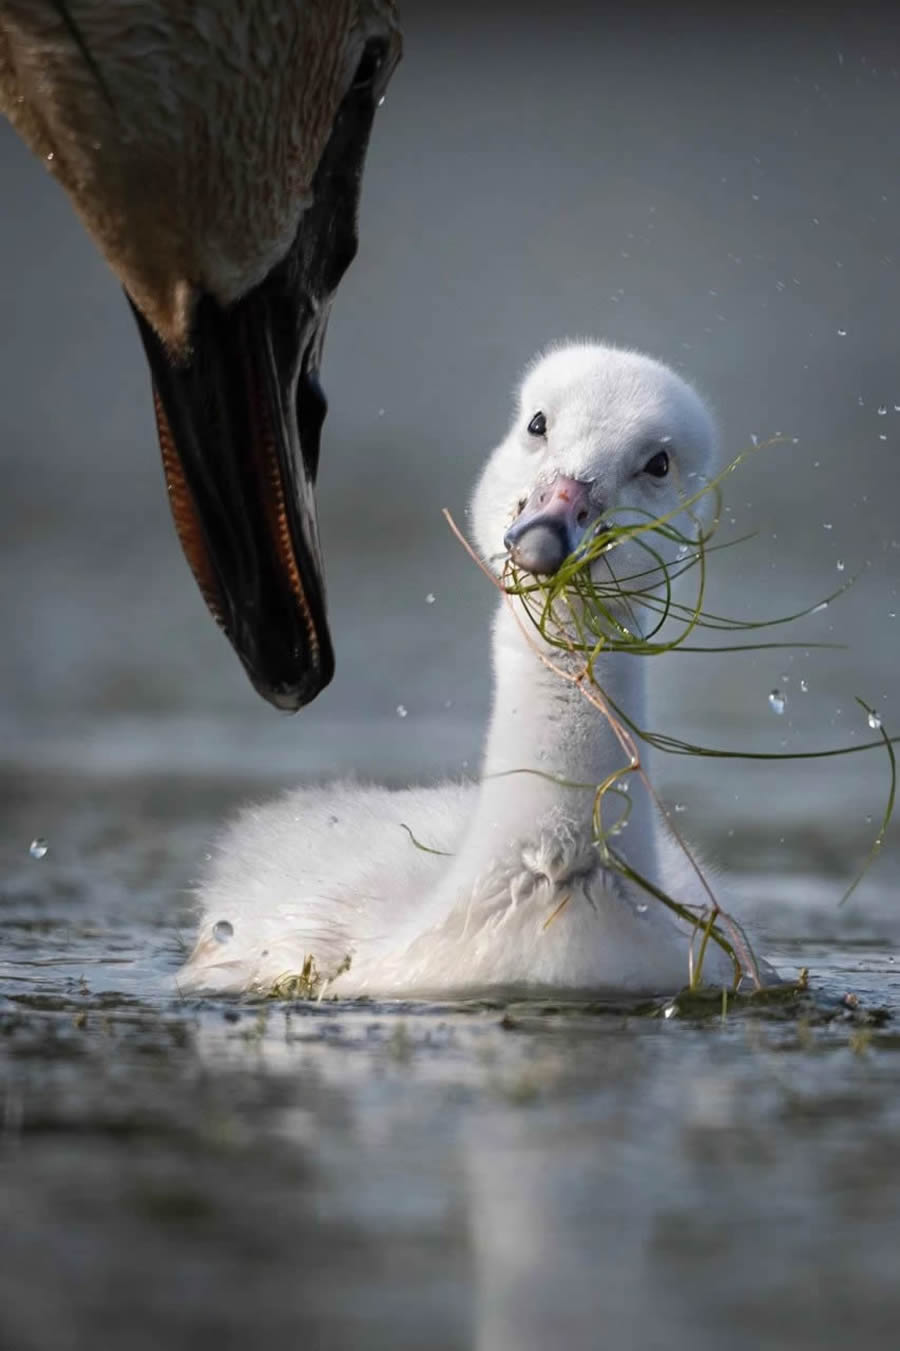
x=551, y=524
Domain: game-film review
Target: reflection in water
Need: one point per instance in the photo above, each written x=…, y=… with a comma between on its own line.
x=452, y=1176
x=694, y=183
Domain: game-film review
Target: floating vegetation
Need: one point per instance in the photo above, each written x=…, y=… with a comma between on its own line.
x=582, y=612
x=308, y=983
x=303, y=984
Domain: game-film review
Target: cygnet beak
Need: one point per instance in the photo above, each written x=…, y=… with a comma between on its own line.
x=551, y=525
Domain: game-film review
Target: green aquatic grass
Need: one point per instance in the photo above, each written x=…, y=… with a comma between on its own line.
x=579, y=614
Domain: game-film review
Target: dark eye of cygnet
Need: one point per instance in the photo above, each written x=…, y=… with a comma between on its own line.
x=538, y=425
x=658, y=464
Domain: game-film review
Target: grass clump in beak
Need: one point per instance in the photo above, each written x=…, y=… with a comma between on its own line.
x=584, y=611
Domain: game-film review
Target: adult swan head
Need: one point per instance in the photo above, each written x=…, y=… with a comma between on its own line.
x=214, y=152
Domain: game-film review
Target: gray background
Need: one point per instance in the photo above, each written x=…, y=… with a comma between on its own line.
x=718, y=189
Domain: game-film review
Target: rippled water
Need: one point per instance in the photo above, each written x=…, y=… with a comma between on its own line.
x=419, y=1175
x=717, y=190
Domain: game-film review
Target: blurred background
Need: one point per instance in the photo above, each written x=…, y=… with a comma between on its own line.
x=716, y=185
x=717, y=188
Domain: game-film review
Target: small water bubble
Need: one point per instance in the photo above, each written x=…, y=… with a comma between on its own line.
x=402, y=711
x=642, y=909
x=826, y=525
x=817, y=609
x=874, y=721
x=882, y=410
x=785, y=678
x=430, y=598
x=804, y=688
x=680, y=807
x=223, y=929
x=381, y=101
x=670, y=1011
x=754, y=438
x=842, y=333
x=840, y=565
x=777, y=702
x=38, y=848
x=882, y=436
x=51, y=155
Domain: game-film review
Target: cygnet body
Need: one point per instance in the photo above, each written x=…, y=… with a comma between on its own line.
x=516, y=895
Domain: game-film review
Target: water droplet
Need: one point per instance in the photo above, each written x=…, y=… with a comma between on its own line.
x=826, y=525
x=381, y=101
x=817, y=609
x=882, y=410
x=430, y=598
x=777, y=702
x=680, y=807
x=223, y=930
x=840, y=565
x=804, y=688
x=670, y=1011
x=842, y=333
x=50, y=156
x=784, y=678
x=642, y=909
x=874, y=721
x=402, y=711
x=38, y=848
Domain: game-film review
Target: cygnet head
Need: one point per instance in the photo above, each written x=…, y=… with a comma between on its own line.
x=598, y=433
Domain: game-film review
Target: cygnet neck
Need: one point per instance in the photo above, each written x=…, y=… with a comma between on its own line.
x=543, y=722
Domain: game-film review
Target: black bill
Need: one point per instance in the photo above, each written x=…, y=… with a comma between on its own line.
x=240, y=419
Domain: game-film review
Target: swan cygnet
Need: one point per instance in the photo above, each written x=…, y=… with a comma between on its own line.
x=214, y=152
x=331, y=873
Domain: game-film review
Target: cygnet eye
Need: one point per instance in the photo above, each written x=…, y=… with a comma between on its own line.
x=658, y=464
x=538, y=425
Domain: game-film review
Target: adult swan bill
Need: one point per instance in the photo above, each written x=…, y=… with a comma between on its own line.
x=214, y=152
